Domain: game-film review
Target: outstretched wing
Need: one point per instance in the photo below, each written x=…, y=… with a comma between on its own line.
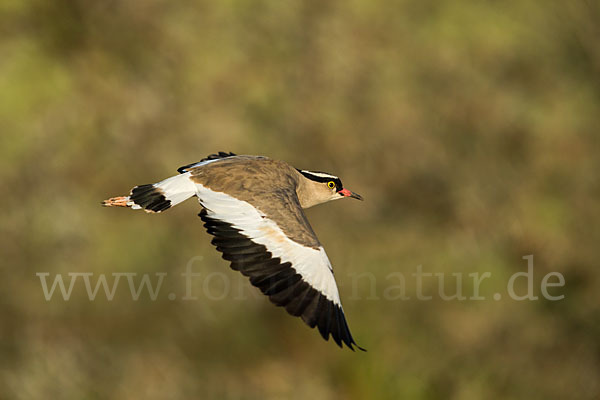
x=293, y=275
x=211, y=157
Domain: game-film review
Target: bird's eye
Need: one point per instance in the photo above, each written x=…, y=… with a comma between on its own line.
x=331, y=184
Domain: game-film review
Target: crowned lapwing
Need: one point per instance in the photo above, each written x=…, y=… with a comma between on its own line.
x=252, y=205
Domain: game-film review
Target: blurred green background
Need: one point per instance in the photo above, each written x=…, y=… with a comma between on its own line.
x=470, y=127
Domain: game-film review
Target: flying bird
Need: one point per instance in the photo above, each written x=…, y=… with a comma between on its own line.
x=253, y=206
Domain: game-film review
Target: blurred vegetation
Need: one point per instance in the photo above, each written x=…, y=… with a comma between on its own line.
x=471, y=128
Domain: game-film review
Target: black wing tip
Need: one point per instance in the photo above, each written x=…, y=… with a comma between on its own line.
x=357, y=346
x=345, y=335
x=329, y=319
x=351, y=344
x=220, y=154
x=214, y=156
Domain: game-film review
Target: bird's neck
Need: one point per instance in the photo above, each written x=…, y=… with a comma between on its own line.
x=310, y=193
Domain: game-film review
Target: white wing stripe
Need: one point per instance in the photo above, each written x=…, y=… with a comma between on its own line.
x=312, y=264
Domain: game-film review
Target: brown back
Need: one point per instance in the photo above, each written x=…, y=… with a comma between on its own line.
x=268, y=185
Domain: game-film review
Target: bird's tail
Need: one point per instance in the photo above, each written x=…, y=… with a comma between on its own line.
x=156, y=197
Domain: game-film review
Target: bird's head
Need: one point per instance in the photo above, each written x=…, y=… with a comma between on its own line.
x=321, y=187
